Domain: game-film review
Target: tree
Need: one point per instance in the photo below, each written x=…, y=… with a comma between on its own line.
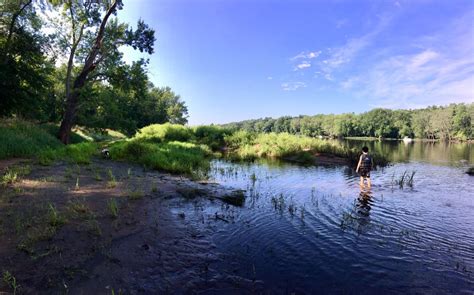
x=462, y=122
x=25, y=70
x=92, y=39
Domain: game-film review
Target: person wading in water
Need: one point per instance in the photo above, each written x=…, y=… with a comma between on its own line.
x=364, y=167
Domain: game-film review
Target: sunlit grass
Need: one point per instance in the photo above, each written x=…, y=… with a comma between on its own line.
x=176, y=157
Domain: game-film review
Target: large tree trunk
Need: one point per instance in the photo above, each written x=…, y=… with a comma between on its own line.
x=72, y=102
x=72, y=99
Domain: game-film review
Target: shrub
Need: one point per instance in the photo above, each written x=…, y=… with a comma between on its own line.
x=239, y=139
x=164, y=133
x=212, y=136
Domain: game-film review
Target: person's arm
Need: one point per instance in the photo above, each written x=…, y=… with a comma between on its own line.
x=358, y=164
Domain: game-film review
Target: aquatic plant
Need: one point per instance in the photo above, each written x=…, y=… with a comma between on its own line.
x=278, y=203
x=405, y=179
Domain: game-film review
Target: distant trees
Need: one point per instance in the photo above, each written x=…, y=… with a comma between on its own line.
x=75, y=74
x=446, y=123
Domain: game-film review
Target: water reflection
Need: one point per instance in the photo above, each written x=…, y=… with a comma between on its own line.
x=364, y=202
x=440, y=153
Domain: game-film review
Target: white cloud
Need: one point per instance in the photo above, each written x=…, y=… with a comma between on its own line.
x=415, y=80
x=328, y=77
x=269, y=78
x=346, y=53
x=306, y=55
x=303, y=65
x=292, y=86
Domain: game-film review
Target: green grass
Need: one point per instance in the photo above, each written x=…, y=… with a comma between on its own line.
x=80, y=153
x=250, y=146
x=14, y=174
x=175, y=157
x=23, y=139
x=53, y=130
x=10, y=281
x=113, y=207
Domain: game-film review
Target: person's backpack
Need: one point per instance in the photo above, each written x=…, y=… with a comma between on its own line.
x=366, y=161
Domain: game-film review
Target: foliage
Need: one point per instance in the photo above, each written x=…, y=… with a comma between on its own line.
x=280, y=145
x=165, y=132
x=450, y=122
x=212, y=136
x=24, y=67
x=240, y=138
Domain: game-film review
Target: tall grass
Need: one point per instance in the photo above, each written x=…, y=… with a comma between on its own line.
x=23, y=139
x=80, y=153
x=53, y=130
x=175, y=156
x=247, y=145
x=165, y=132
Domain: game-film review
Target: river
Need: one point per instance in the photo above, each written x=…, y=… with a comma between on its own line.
x=308, y=230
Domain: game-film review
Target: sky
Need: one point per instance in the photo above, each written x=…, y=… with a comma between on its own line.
x=232, y=60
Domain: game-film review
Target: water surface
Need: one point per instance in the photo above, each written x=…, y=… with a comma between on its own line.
x=311, y=229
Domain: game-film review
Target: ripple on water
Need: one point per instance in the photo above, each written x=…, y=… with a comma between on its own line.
x=310, y=228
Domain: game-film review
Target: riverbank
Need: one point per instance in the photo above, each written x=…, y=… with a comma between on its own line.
x=410, y=139
x=100, y=227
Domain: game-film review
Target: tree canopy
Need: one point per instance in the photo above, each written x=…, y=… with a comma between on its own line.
x=75, y=73
x=450, y=122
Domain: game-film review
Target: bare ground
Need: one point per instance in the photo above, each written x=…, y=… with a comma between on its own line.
x=59, y=233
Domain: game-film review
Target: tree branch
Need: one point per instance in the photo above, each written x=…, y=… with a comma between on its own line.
x=12, y=25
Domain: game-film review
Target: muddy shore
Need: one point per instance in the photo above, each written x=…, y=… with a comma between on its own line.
x=107, y=228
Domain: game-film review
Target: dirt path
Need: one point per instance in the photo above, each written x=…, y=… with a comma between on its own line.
x=106, y=227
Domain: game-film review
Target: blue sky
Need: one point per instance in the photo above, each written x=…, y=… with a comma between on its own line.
x=232, y=60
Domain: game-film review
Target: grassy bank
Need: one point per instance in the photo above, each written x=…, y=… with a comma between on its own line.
x=167, y=147
x=20, y=139
x=174, y=156
x=248, y=146
x=172, y=148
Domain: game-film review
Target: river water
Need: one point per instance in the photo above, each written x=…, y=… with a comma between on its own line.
x=309, y=230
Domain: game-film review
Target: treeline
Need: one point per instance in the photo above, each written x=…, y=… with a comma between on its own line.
x=453, y=122
x=75, y=73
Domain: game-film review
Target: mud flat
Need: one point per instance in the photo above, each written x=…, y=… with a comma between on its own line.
x=105, y=227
